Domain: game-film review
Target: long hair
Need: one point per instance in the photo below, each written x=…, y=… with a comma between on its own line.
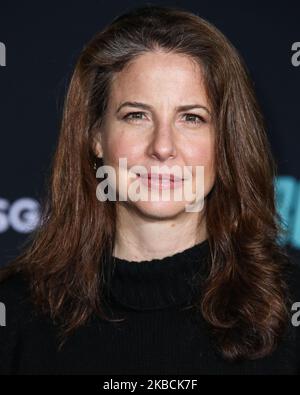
x=244, y=295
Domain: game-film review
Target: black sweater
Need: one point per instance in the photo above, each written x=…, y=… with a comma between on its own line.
x=161, y=333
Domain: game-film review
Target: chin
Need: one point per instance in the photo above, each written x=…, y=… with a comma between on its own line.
x=159, y=210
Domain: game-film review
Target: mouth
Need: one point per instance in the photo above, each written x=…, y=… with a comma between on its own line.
x=161, y=177
x=161, y=181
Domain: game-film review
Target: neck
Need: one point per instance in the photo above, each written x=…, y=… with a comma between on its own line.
x=157, y=237
x=175, y=280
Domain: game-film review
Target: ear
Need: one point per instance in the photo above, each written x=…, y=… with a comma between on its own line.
x=97, y=144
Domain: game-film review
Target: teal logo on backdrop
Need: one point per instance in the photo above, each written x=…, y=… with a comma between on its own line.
x=288, y=206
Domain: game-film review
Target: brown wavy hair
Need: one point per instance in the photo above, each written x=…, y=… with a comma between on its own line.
x=244, y=296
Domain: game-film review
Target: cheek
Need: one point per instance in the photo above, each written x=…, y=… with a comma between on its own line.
x=202, y=154
x=122, y=147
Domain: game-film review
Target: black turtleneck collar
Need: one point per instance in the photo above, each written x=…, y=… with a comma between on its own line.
x=159, y=283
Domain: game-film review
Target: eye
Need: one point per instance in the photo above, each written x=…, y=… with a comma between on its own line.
x=194, y=118
x=138, y=116
x=134, y=116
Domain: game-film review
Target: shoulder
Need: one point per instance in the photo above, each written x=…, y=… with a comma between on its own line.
x=15, y=299
x=293, y=280
x=293, y=283
x=14, y=290
x=15, y=310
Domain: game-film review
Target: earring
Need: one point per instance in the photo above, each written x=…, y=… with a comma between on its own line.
x=95, y=163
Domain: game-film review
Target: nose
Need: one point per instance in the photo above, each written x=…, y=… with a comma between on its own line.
x=162, y=145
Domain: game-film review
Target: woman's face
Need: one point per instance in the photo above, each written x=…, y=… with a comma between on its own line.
x=153, y=128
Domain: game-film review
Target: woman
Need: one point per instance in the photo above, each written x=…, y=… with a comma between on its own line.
x=147, y=286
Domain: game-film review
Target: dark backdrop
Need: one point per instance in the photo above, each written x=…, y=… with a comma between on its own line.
x=40, y=42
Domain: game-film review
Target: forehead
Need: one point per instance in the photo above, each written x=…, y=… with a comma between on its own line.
x=157, y=76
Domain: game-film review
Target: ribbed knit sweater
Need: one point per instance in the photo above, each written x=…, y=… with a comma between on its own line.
x=162, y=331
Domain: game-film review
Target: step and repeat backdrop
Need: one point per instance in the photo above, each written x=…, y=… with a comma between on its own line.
x=39, y=44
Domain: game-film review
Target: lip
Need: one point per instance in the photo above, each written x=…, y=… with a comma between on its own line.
x=160, y=181
x=163, y=177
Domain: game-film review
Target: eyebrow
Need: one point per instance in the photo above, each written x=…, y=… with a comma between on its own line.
x=149, y=108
